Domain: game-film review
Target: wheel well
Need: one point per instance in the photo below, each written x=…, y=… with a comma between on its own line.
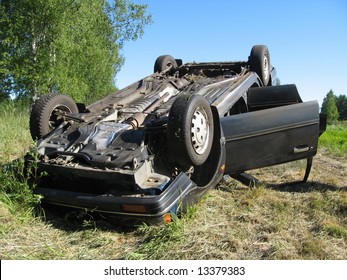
x=238, y=108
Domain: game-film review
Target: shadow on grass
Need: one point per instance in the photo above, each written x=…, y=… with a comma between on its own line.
x=78, y=220
x=295, y=186
x=301, y=187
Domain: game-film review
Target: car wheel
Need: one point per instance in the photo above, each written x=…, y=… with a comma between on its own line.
x=259, y=61
x=190, y=130
x=43, y=117
x=163, y=62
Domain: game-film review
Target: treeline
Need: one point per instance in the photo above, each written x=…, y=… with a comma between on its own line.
x=335, y=107
x=67, y=46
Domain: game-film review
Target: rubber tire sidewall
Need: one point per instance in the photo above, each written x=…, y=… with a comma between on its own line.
x=256, y=62
x=178, y=130
x=162, y=63
x=42, y=111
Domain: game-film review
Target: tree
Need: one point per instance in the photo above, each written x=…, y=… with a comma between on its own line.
x=341, y=104
x=71, y=46
x=329, y=107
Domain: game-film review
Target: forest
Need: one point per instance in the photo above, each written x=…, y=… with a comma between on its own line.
x=335, y=107
x=67, y=46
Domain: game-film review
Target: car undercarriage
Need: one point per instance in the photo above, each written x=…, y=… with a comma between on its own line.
x=156, y=146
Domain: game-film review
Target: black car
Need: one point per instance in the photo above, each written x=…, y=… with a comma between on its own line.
x=153, y=148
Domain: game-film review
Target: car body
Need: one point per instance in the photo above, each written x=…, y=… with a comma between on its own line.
x=155, y=147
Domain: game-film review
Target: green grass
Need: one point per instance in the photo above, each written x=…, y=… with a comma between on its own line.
x=18, y=204
x=335, y=139
x=274, y=221
x=14, y=130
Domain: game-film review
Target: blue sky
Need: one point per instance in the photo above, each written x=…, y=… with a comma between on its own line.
x=307, y=39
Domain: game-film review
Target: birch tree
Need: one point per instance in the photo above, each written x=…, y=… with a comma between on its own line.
x=70, y=46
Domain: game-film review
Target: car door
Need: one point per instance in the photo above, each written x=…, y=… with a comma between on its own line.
x=271, y=136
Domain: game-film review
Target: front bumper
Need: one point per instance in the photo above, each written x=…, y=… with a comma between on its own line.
x=179, y=193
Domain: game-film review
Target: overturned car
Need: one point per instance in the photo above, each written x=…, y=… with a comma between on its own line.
x=156, y=146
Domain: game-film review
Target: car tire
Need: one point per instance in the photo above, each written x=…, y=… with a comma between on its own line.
x=163, y=62
x=259, y=62
x=190, y=130
x=43, y=118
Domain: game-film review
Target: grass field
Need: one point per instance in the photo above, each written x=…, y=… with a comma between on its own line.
x=277, y=220
x=335, y=139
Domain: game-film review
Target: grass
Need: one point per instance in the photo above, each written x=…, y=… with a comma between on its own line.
x=251, y=224
x=335, y=138
x=274, y=221
x=14, y=130
x=17, y=202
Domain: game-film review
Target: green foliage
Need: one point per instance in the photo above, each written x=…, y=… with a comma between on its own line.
x=85, y=55
x=16, y=196
x=335, y=139
x=341, y=104
x=329, y=107
x=69, y=46
x=335, y=107
x=27, y=32
x=15, y=188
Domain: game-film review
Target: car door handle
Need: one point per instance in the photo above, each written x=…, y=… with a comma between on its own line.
x=301, y=149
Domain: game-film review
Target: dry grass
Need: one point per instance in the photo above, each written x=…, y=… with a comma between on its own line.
x=275, y=221
x=257, y=224
x=59, y=238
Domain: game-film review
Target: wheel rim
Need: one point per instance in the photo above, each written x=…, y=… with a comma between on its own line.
x=55, y=118
x=200, y=131
x=266, y=68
